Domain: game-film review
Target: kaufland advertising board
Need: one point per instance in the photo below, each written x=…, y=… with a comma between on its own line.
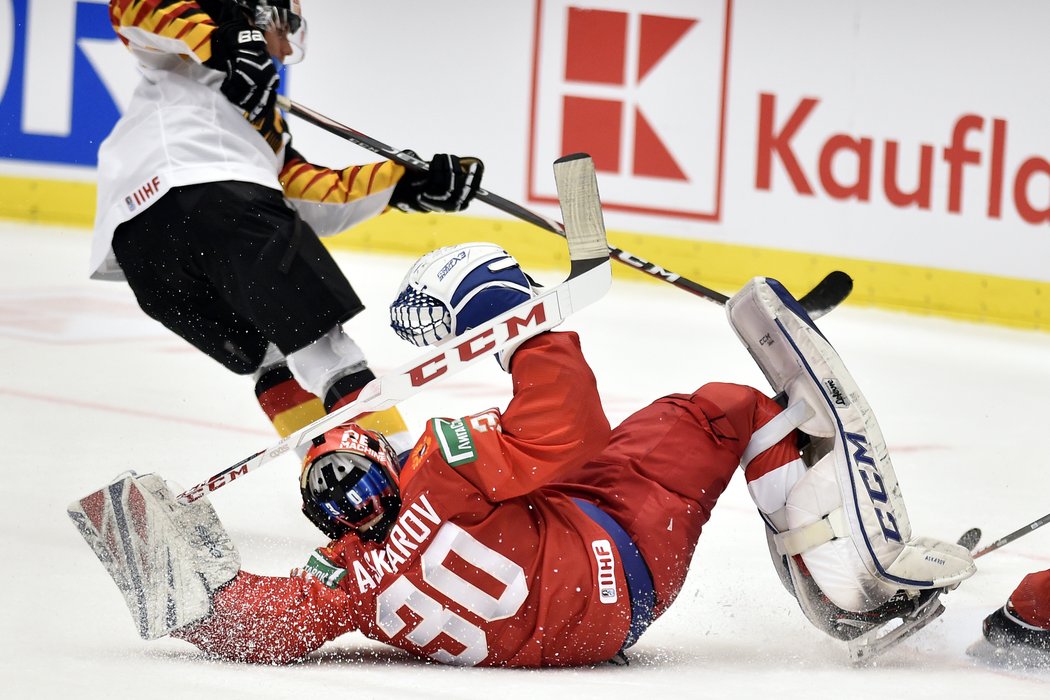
x=891, y=131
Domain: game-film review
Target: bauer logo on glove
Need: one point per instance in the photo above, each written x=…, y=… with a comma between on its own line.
x=451, y=290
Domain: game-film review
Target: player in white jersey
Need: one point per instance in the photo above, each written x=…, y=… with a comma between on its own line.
x=212, y=218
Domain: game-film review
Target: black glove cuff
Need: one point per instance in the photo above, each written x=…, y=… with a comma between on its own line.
x=407, y=190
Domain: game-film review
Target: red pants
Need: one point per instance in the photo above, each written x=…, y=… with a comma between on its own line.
x=666, y=466
x=1031, y=599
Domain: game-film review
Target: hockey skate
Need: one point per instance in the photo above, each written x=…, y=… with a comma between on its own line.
x=867, y=634
x=1010, y=642
x=904, y=615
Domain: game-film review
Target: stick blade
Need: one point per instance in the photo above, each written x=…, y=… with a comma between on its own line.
x=581, y=207
x=970, y=538
x=828, y=294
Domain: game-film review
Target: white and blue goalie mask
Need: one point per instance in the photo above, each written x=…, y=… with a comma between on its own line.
x=454, y=289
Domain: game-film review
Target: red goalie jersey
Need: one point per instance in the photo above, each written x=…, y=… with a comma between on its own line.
x=484, y=565
x=499, y=556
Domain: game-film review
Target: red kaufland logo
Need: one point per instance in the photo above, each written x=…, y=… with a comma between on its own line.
x=964, y=155
x=643, y=92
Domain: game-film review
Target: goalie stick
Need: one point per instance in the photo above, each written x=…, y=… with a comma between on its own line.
x=590, y=276
x=829, y=292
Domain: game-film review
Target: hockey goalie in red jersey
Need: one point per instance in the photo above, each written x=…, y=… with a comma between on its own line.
x=536, y=536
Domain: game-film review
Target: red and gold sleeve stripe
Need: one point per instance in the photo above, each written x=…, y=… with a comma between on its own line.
x=288, y=406
x=183, y=20
x=313, y=183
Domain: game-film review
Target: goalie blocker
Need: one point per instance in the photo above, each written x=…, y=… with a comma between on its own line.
x=839, y=530
x=165, y=557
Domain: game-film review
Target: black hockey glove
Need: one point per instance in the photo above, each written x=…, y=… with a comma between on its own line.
x=449, y=185
x=239, y=50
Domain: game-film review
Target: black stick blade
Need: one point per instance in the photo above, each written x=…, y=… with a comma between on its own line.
x=970, y=538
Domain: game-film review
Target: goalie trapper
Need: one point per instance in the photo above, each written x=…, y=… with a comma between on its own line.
x=839, y=531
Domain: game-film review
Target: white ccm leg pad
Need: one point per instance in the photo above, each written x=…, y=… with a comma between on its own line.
x=846, y=515
x=166, y=558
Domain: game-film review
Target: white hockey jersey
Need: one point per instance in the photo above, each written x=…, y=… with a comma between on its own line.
x=179, y=129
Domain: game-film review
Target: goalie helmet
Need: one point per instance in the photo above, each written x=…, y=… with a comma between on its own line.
x=282, y=16
x=350, y=483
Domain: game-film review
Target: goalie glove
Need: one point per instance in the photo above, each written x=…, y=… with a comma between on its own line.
x=165, y=557
x=451, y=290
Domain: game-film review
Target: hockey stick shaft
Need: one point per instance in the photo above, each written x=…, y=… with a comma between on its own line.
x=504, y=205
x=828, y=293
x=589, y=279
x=1016, y=534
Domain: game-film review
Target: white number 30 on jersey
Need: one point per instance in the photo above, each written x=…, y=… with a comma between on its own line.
x=434, y=617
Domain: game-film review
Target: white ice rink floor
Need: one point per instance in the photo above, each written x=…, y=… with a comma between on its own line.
x=90, y=387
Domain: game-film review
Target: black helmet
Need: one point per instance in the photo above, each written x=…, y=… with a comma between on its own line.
x=286, y=14
x=350, y=482
x=282, y=15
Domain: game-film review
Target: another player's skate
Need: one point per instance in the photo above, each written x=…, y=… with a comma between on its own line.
x=1010, y=641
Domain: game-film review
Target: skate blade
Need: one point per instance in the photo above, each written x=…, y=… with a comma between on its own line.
x=870, y=645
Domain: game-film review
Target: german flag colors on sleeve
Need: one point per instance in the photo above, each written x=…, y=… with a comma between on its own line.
x=334, y=200
x=170, y=26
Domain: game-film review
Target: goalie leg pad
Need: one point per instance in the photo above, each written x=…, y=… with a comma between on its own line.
x=166, y=558
x=846, y=515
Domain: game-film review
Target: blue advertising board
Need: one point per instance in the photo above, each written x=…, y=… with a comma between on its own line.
x=64, y=76
x=54, y=105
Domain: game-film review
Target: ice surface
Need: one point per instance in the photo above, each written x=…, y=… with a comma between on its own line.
x=91, y=387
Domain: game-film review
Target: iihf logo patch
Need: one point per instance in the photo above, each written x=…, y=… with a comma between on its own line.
x=151, y=189
x=603, y=555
